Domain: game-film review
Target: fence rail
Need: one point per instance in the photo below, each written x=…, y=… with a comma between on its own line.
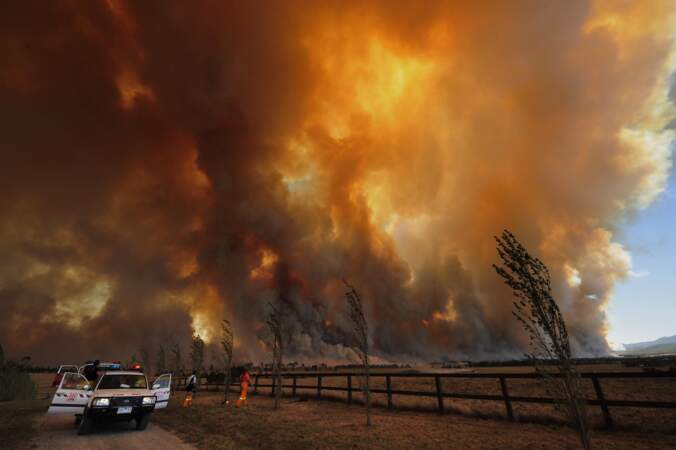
x=595, y=377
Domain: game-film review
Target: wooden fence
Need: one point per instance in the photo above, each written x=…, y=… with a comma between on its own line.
x=595, y=377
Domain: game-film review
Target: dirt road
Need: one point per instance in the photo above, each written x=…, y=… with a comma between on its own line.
x=59, y=433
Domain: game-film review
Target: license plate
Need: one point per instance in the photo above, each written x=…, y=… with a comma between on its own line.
x=124, y=410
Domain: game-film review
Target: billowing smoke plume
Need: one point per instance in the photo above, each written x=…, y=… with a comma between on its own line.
x=168, y=164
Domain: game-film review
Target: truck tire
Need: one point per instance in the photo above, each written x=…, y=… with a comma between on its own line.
x=86, y=424
x=142, y=421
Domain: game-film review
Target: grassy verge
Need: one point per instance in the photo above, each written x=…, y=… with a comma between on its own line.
x=211, y=426
x=17, y=424
x=331, y=425
x=214, y=427
x=309, y=425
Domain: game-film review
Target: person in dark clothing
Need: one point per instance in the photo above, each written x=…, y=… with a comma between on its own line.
x=91, y=372
x=191, y=388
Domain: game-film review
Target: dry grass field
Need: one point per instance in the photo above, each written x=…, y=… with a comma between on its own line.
x=44, y=384
x=648, y=420
x=314, y=424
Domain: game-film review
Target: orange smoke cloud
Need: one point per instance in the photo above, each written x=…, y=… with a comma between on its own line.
x=213, y=157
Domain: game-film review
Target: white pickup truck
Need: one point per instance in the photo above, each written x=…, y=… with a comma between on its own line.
x=118, y=395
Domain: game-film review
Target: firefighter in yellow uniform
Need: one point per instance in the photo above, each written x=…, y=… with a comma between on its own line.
x=244, y=380
x=191, y=387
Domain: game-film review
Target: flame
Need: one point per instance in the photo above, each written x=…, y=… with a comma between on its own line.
x=376, y=80
x=264, y=270
x=448, y=314
x=202, y=327
x=131, y=89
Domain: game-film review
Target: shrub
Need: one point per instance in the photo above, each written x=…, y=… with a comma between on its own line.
x=15, y=384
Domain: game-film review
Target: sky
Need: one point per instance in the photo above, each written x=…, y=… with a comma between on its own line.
x=215, y=157
x=644, y=305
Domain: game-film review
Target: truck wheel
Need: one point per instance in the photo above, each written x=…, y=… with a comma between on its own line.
x=86, y=424
x=142, y=421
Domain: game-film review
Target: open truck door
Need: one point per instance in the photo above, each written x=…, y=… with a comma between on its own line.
x=59, y=373
x=162, y=390
x=72, y=395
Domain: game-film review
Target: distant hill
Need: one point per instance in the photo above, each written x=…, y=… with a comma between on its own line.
x=658, y=346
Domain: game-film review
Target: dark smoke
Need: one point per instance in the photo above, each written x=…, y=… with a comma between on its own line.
x=167, y=164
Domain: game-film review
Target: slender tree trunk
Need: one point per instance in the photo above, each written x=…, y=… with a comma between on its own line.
x=577, y=412
x=278, y=331
x=360, y=326
x=228, y=380
x=280, y=387
x=278, y=393
x=276, y=376
x=368, y=393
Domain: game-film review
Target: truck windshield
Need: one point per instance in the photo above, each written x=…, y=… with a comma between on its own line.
x=64, y=369
x=123, y=382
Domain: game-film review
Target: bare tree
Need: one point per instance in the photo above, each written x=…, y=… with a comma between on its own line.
x=175, y=359
x=275, y=322
x=161, y=360
x=133, y=360
x=361, y=340
x=537, y=311
x=227, y=344
x=197, y=353
x=176, y=364
x=145, y=359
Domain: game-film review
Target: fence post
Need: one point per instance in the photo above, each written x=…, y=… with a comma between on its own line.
x=388, y=384
x=508, y=401
x=349, y=389
x=256, y=384
x=319, y=387
x=602, y=401
x=293, y=390
x=274, y=382
x=440, y=394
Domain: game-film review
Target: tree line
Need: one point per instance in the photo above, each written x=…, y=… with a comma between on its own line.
x=15, y=379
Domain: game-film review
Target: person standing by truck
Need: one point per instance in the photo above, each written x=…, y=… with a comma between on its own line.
x=191, y=388
x=244, y=380
x=91, y=372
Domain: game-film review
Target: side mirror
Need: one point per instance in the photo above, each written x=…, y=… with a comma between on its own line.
x=156, y=386
x=87, y=387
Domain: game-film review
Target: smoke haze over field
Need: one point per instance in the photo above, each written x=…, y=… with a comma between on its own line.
x=168, y=164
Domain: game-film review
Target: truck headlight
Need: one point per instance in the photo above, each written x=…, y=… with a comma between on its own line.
x=101, y=402
x=148, y=400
